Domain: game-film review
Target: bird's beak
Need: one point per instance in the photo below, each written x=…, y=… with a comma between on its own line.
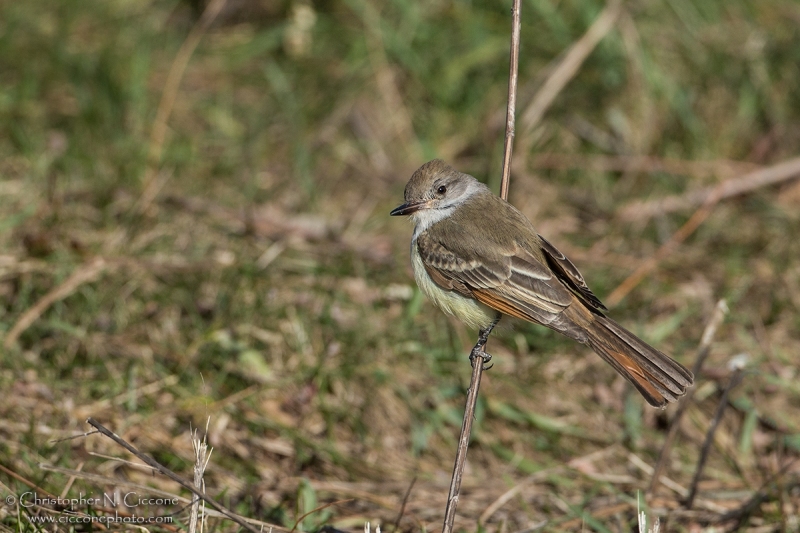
x=408, y=208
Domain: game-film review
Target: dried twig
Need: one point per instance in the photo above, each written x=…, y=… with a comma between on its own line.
x=463, y=444
x=163, y=470
x=717, y=168
x=477, y=363
x=74, y=474
x=674, y=486
x=666, y=249
x=513, y=71
x=201, y=455
x=403, y=505
x=566, y=70
x=737, y=364
x=117, y=483
x=85, y=273
x=720, y=310
x=317, y=509
x=26, y=481
x=761, y=496
x=150, y=184
x=727, y=189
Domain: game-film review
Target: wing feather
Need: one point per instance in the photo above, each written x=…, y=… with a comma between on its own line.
x=513, y=282
x=570, y=275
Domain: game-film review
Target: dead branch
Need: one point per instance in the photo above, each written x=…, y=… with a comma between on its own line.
x=703, y=349
x=737, y=364
x=85, y=273
x=163, y=470
x=665, y=250
x=565, y=71
x=513, y=74
x=150, y=183
x=477, y=362
x=719, y=168
x=751, y=181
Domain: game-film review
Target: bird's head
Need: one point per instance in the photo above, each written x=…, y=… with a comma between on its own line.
x=436, y=189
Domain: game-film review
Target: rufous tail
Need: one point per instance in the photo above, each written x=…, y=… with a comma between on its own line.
x=654, y=374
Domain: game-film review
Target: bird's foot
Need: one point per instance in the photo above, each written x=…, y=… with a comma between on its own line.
x=477, y=350
x=478, y=353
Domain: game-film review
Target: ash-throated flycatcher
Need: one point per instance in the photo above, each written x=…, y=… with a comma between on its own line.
x=477, y=257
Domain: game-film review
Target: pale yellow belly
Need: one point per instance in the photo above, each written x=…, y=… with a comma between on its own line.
x=471, y=312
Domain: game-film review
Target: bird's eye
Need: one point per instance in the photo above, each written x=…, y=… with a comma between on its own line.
x=442, y=189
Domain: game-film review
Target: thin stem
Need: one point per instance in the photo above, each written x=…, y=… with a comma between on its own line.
x=701, y=462
x=463, y=444
x=478, y=355
x=513, y=71
x=163, y=470
x=703, y=350
x=150, y=185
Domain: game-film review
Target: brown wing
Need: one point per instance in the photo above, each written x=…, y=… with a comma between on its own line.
x=569, y=274
x=516, y=273
x=513, y=282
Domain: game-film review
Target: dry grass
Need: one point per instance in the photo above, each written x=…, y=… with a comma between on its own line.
x=255, y=278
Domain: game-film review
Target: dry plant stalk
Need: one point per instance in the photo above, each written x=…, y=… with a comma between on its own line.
x=751, y=181
x=715, y=168
x=403, y=505
x=85, y=273
x=566, y=70
x=708, y=198
x=720, y=310
x=477, y=365
x=737, y=365
x=544, y=98
x=150, y=184
x=201, y=455
x=513, y=75
x=163, y=470
x=663, y=251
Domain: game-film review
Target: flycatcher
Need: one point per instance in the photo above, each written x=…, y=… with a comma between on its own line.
x=477, y=257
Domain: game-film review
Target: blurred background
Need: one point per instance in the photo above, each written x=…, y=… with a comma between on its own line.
x=194, y=230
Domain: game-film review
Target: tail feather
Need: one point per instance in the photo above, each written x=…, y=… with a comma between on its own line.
x=654, y=374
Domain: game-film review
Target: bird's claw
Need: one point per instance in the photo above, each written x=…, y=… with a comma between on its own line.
x=477, y=350
x=477, y=353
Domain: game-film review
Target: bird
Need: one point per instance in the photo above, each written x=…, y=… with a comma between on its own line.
x=478, y=258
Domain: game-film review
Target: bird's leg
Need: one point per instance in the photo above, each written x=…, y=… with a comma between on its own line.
x=483, y=338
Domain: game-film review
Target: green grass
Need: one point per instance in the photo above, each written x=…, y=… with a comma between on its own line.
x=267, y=289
